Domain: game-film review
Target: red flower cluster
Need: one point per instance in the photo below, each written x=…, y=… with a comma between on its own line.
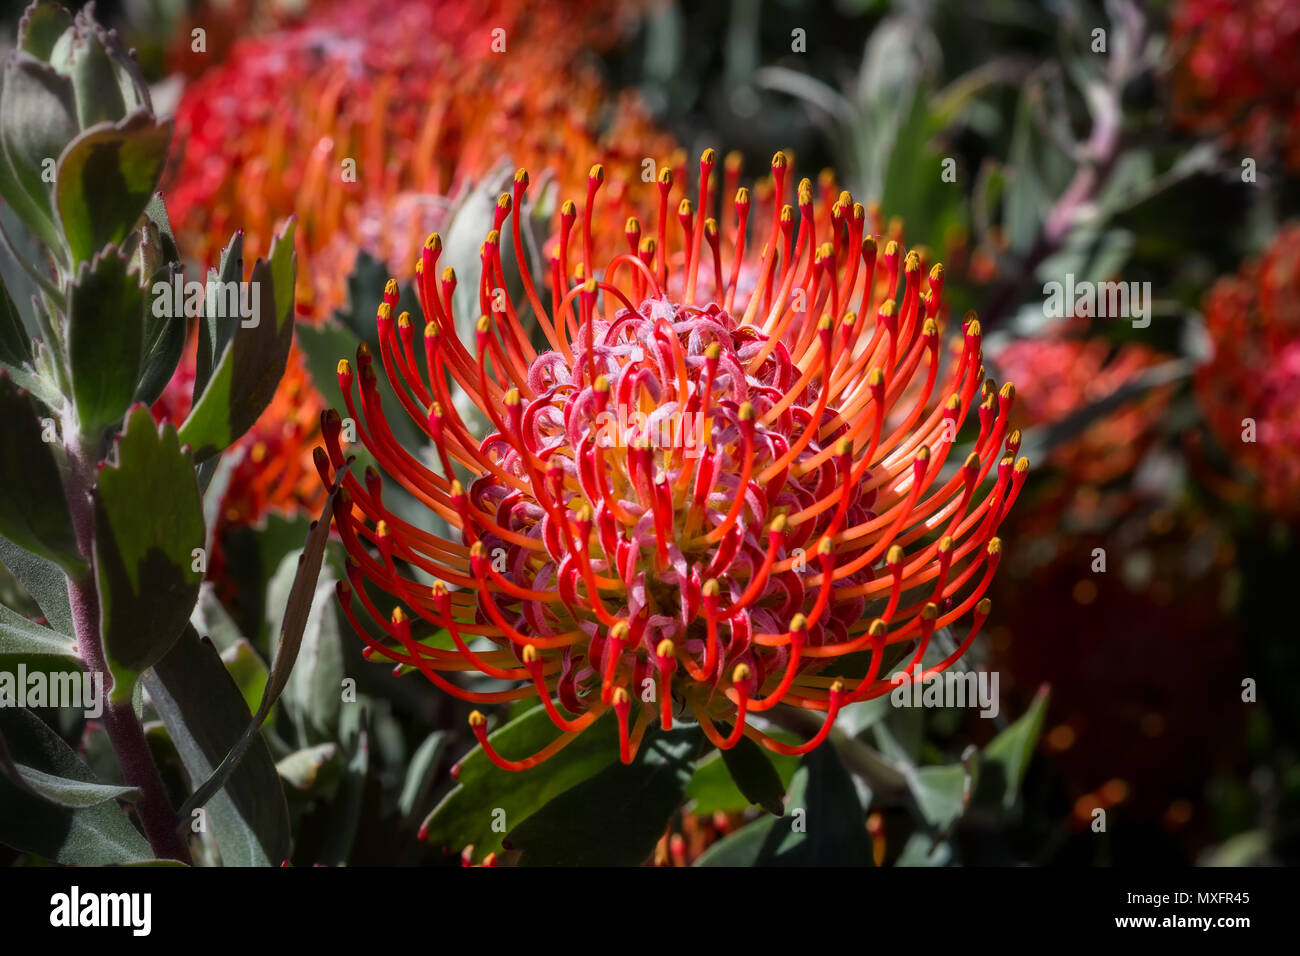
x=1250, y=390
x=368, y=103
x=1238, y=73
x=367, y=120
x=729, y=475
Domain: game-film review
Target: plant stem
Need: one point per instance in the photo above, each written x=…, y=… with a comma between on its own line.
x=161, y=826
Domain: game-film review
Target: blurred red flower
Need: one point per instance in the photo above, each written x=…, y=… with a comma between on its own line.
x=368, y=120
x=1237, y=73
x=1250, y=390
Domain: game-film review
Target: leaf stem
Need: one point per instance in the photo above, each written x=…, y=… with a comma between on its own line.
x=124, y=731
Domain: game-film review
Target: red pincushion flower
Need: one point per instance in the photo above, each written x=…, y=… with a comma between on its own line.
x=1238, y=72
x=1253, y=319
x=596, y=560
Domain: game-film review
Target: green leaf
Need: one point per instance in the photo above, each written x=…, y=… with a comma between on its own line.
x=247, y=669
x=901, y=734
x=942, y=793
x=118, y=68
x=205, y=716
x=26, y=642
x=70, y=792
x=313, y=692
x=164, y=343
x=214, y=334
x=33, y=512
x=616, y=817
x=154, y=863
x=755, y=776
x=213, y=621
x=43, y=580
x=1007, y=756
x=152, y=261
x=830, y=830
x=345, y=809
x=148, y=521
x=253, y=556
x=40, y=28
x=302, y=595
x=156, y=212
x=106, y=178
x=92, y=835
x=859, y=717
x=250, y=368
x=745, y=847
x=106, y=317
x=465, y=816
x=297, y=608
x=714, y=790
x=83, y=58
x=37, y=121
x=921, y=849
x=914, y=187
x=15, y=344
x=420, y=772
x=311, y=768
x=1026, y=199
x=1252, y=848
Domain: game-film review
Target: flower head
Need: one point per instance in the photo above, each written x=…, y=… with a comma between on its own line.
x=728, y=474
x=1250, y=389
x=1237, y=72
